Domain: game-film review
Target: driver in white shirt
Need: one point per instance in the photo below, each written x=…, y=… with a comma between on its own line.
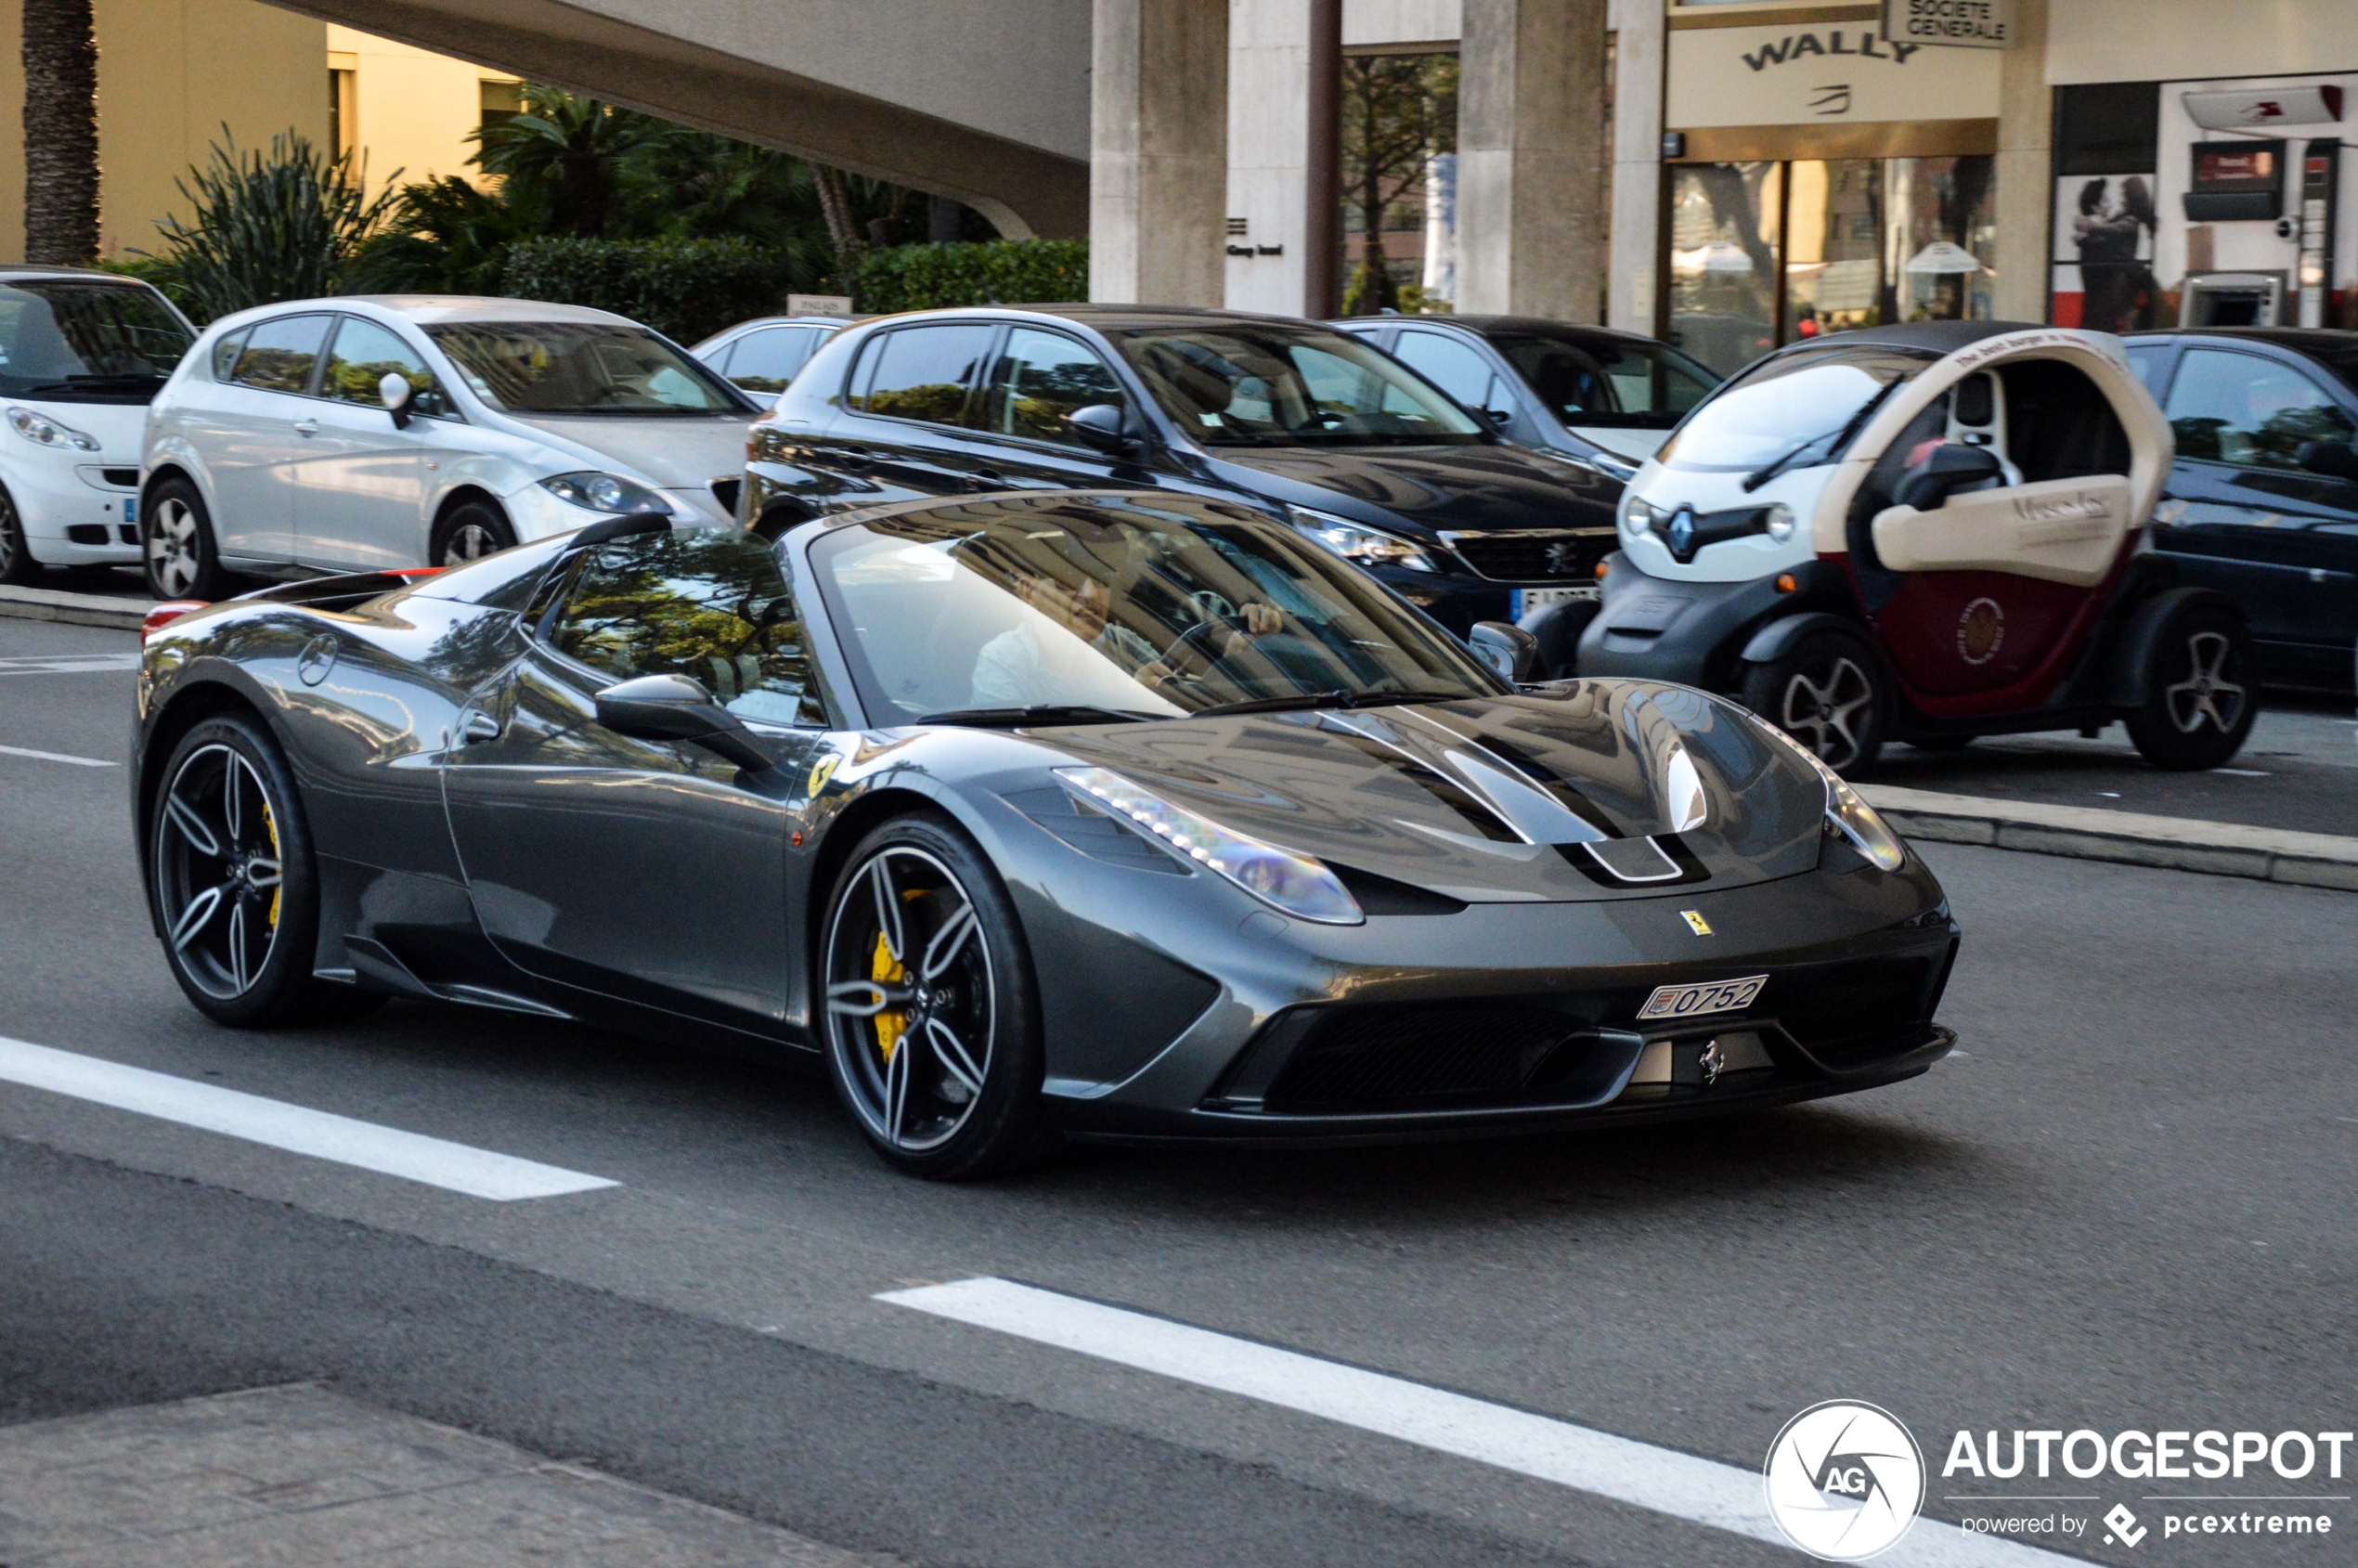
x=1028, y=665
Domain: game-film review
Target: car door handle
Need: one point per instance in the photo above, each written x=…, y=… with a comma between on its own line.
x=306, y=427
x=478, y=728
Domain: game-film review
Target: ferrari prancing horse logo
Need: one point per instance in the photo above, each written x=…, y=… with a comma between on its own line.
x=1695, y=922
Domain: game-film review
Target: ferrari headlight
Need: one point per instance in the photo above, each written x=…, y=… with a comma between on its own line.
x=1637, y=517
x=1359, y=544
x=1295, y=882
x=43, y=430
x=1847, y=811
x=594, y=491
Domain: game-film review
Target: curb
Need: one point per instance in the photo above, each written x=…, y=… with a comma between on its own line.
x=77, y=609
x=2264, y=854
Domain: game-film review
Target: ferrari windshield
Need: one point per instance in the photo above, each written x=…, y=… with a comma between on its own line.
x=66, y=339
x=1789, y=410
x=1100, y=608
x=1255, y=384
x=580, y=367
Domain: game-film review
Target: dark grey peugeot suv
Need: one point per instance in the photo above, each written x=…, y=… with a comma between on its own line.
x=1306, y=423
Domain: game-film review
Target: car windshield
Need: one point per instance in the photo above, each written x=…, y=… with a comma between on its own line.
x=581, y=367
x=1604, y=381
x=1790, y=408
x=1125, y=609
x=1256, y=385
x=95, y=342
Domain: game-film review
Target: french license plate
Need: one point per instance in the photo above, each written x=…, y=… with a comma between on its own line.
x=1529, y=599
x=1711, y=996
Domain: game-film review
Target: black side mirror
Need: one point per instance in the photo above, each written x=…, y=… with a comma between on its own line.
x=1101, y=427
x=677, y=707
x=2335, y=459
x=1510, y=652
x=1952, y=468
x=394, y=392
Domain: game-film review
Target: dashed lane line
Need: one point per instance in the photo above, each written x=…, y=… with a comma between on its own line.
x=1662, y=1480
x=56, y=757
x=321, y=1134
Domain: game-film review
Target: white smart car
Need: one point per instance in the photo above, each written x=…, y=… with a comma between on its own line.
x=80, y=354
x=366, y=433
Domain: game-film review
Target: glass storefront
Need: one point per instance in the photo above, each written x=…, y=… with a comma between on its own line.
x=1767, y=253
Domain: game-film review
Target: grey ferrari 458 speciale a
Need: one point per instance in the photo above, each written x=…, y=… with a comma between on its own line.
x=1102, y=814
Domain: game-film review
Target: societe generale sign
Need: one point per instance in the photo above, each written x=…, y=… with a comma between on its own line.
x=1956, y=24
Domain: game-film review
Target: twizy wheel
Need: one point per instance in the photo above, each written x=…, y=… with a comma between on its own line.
x=932, y=1028
x=176, y=539
x=234, y=888
x=2202, y=690
x=1826, y=692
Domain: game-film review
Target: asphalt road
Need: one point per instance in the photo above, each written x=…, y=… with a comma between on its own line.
x=2124, y=1203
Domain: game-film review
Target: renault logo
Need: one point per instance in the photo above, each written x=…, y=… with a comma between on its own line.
x=1681, y=533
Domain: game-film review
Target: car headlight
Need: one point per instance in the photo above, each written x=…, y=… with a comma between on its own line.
x=1781, y=522
x=594, y=491
x=1637, y=517
x=43, y=430
x=1358, y=543
x=1846, y=810
x=1295, y=882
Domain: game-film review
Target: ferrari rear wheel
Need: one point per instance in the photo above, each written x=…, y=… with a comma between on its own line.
x=1826, y=692
x=932, y=1027
x=235, y=887
x=2202, y=692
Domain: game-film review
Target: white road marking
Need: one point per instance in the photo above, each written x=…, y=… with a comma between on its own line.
x=1663, y=1480
x=55, y=757
x=66, y=663
x=322, y=1135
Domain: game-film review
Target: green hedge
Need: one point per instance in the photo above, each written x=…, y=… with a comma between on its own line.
x=991, y=272
x=685, y=289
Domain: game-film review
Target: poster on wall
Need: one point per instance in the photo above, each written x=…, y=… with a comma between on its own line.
x=2104, y=252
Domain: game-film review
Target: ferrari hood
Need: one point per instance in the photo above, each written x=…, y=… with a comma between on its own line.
x=1442, y=488
x=1611, y=789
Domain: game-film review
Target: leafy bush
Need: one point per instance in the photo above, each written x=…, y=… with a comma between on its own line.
x=684, y=289
x=263, y=228
x=989, y=272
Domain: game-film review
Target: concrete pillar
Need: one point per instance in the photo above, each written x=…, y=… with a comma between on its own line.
x=1322, y=216
x=1531, y=183
x=1269, y=156
x=1640, y=42
x=1158, y=151
x=2024, y=170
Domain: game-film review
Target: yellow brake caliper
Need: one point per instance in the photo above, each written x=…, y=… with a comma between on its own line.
x=270, y=826
x=888, y=970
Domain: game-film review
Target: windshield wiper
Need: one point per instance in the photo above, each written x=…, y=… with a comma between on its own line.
x=1833, y=440
x=1039, y=713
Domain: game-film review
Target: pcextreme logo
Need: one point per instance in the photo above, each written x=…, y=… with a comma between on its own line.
x=1845, y=1480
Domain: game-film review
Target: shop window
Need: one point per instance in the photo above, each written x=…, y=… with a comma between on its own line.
x=1725, y=225
x=1399, y=182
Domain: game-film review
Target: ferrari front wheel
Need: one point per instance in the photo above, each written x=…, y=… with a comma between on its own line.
x=931, y=1023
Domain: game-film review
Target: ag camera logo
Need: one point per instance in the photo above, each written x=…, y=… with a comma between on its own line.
x=1845, y=1480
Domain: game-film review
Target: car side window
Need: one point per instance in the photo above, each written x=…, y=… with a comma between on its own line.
x=923, y=373
x=704, y=603
x=1040, y=377
x=1452, y=367
x=1338, y=387
x=363, y=354
x=768, y=359
x=225, y=352
x=2252, y=412
x=280, y=356
x=2147, y=361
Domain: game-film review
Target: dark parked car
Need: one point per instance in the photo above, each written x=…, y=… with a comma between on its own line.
x=1603, y=397
x=762, y=356
x=1302, y=422
x=2262, y=500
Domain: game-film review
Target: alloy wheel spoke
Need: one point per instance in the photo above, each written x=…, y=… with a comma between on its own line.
x=263, y=872
x=232, y=808
x=865, y=999
x=889, y=909
x=238, y=969
x=943, y=950
x=951, y=1052
x=896, y=1092
x=200, y=913
x=192, y=826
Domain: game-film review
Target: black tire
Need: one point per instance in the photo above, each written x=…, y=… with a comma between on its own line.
x=976, y=1017
x=17, y=565
x=471, y=531
x=1827, y=691
x=2202, y=691
x=176, y=544
x=226, y=801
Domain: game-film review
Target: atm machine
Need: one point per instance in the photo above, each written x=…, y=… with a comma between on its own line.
x=2279, y=263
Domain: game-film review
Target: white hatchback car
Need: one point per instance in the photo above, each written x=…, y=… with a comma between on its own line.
x=80, y=354
x=366, y=433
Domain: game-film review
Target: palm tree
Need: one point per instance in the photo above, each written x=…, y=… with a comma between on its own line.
x=60, y=132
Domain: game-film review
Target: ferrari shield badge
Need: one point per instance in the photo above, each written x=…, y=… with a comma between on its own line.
x=1695, y=922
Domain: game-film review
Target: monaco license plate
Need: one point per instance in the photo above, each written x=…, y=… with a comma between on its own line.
x=1529, y=599
x=1711, y=996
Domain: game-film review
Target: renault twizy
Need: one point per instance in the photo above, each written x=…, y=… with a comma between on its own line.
x=1925, y=533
